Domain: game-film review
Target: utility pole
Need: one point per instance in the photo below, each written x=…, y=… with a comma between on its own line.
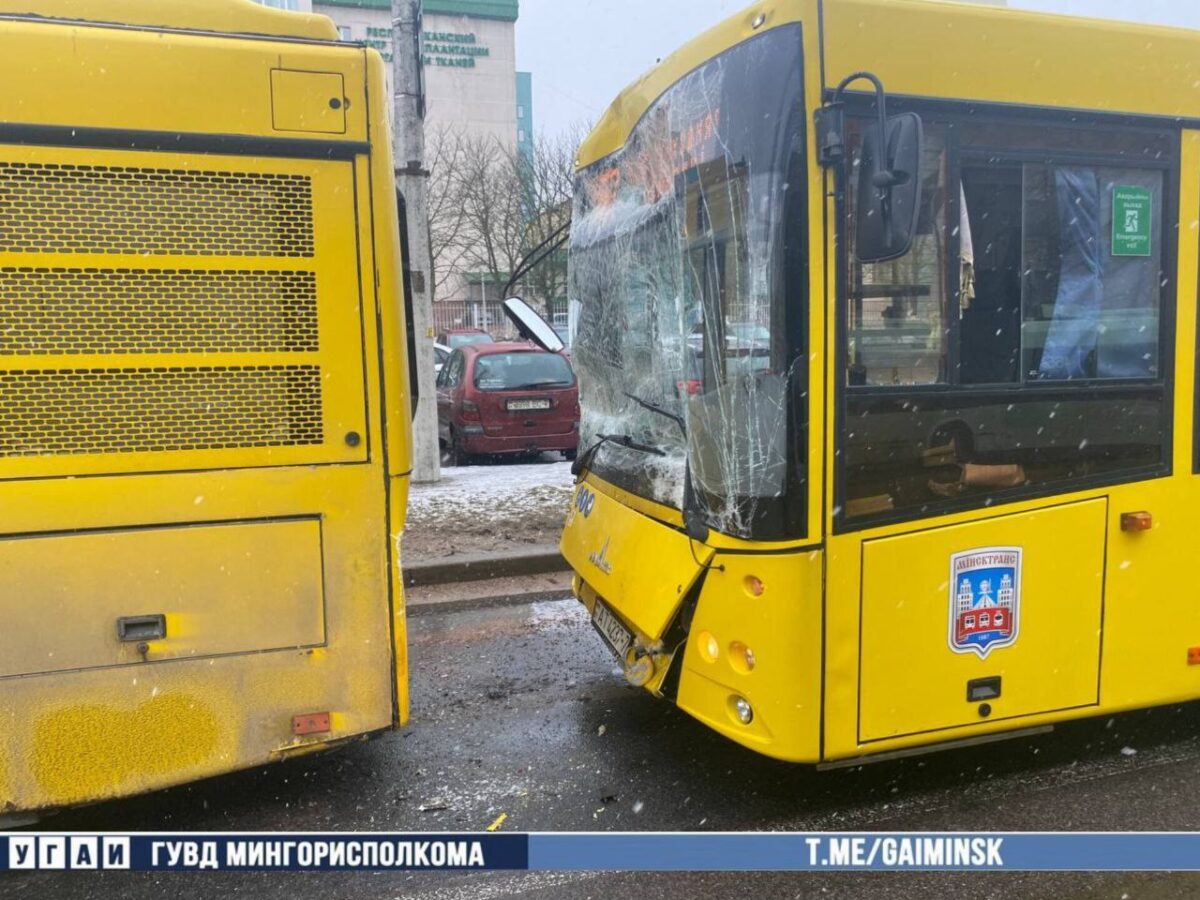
x=412, y=179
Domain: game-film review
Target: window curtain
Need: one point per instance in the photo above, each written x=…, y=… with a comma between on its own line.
x=1071, y=338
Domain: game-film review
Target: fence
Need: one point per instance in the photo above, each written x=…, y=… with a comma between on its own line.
x=485, y=315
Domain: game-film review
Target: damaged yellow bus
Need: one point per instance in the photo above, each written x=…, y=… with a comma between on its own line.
x=204, y=396
x=884, y=319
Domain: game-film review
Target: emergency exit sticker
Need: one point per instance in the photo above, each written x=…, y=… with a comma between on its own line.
x=1131, y=221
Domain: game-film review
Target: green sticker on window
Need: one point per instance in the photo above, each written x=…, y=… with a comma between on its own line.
x=1131, y=221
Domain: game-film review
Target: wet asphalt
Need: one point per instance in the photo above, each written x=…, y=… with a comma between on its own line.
x=519, y=710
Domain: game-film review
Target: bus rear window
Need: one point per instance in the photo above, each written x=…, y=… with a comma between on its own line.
x=522, y=371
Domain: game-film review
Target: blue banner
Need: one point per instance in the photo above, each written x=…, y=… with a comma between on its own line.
x=649, y=851
x=264, y=852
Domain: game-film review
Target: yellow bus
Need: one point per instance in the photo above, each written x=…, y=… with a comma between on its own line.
x=885, y=323
x=204, y=395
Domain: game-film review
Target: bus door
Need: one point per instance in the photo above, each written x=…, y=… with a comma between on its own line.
x=997, y=380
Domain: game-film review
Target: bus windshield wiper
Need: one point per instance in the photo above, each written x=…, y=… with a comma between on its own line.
x=626, y=441
x=584, y=459
x=666, y=413
x=694, y=521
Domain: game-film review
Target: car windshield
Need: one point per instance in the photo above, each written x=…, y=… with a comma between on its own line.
x=680, y=260
x=522, y=370
x=460, y=340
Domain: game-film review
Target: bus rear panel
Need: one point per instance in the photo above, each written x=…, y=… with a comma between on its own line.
x=197, y=479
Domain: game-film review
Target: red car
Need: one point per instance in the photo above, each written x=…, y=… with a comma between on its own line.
x=507, y=398
x=457, y=337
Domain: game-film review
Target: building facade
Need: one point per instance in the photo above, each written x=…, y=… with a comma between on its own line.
x=471, y=85
x=469, y=49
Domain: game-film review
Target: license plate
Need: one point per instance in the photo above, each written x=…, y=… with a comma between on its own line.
x=615, y=634
x=528, y=404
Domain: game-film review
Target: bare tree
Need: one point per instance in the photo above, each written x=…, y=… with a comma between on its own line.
x=497, y=213
x=548, y=181
x=491, y=194
x=445, y=150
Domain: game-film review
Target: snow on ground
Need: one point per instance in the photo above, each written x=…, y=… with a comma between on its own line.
x=513, y=487
x=486, y=508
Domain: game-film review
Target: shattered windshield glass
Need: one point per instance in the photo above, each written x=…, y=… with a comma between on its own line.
x=683, y=253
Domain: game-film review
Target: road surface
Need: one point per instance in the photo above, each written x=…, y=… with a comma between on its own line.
x=519, y=710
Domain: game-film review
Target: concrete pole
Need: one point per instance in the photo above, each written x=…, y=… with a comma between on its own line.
x=408, y=147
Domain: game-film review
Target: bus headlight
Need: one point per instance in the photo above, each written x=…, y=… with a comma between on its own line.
x=743, y=710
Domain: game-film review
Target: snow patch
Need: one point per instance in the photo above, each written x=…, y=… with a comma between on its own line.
x=488, y=508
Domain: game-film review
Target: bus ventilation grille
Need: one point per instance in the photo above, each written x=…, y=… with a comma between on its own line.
x=47, y=208
x=147, y=309
x=74, y=311
x=130, y=410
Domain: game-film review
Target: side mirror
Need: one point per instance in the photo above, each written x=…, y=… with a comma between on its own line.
x=889, y=189
x=532, y=326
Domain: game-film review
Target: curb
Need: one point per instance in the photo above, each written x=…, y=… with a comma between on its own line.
x=435, y=607
x=480, y=566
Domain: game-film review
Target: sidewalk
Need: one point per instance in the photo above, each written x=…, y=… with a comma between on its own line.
x=478, y=511
x=487, y=534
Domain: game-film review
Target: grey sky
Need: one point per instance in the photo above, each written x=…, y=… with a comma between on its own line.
x=582, y=52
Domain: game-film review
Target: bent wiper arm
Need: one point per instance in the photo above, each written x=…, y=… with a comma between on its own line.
x=626, y=441
x=646, y=404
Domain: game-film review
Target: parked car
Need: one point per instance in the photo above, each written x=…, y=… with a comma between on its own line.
x=503, y=398
x=441, y=353
x=747, y=351
x=459, y=337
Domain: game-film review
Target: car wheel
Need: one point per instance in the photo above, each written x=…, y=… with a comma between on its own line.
x=568, y=454
x=458, y=456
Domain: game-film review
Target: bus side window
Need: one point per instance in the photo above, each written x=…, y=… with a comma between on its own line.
x=896, y=308
x=1019, y=344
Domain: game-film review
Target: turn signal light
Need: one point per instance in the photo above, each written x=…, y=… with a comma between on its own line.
x=1194, y=656
x=1136, y=521
x=708, y=647
x=741, y=658
x=753, y=585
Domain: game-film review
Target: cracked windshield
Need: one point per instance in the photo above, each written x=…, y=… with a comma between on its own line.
x=678, y=277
